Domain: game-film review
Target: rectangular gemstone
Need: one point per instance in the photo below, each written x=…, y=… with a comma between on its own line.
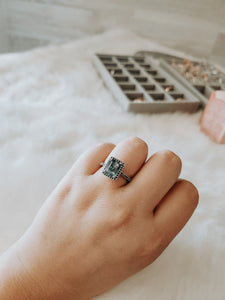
x=113, y=168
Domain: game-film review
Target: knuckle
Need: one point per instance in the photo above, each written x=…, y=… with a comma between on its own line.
x=106, y=146
x=153, y=244
x=136, y=141
x=170, y=157
x=151, y=247
x=191, y=191
x=119, y=218
x=64, y=192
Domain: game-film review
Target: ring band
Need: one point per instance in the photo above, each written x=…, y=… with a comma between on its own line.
x=113, y=169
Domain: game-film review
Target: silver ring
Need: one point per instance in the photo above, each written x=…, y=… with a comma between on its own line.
x=113, y=168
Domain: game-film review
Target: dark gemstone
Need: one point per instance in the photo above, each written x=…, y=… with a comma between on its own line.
x=113, y=168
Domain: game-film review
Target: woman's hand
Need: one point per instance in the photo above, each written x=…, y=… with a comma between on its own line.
x=93, y=232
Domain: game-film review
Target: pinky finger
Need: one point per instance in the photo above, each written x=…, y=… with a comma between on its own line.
x=175, y=209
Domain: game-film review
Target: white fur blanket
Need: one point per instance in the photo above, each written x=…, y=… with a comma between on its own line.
x=53, y=106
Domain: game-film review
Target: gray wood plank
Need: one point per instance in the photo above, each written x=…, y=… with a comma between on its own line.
x=190, y=26
x=4, y=46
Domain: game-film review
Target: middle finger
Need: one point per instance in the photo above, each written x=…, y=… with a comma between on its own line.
x=155, y=178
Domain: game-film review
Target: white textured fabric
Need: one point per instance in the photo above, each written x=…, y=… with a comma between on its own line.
x=53, y=106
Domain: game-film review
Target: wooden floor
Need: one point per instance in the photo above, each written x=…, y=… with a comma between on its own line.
x=197, y=27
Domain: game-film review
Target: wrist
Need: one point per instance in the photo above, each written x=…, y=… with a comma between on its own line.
x=15, y=282
x=18, y=281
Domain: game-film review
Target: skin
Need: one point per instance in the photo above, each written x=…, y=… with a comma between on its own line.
x=92, y=232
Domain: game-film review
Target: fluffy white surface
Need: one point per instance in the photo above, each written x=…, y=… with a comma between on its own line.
x=53, y=106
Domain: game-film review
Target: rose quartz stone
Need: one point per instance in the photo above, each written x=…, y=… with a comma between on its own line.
x=212, y=121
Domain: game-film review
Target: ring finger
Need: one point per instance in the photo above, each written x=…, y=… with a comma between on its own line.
x=133, y=152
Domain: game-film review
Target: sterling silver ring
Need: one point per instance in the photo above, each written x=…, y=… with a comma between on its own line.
x=113, y=169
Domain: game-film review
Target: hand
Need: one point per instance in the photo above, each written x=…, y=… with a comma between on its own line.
x=93, y=232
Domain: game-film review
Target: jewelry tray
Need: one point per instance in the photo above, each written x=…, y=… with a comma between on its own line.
x=144, y=83
x=201, y=76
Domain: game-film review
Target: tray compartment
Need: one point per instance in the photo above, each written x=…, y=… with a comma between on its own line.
x=146, y=66
x=121, y=78
x=129, y=66
x=149, y=87
x=136, y=97
x=106, y=58
x=115, y=71
x=168, y=87
x=157, y=96
x=110, y=65
x=128, y=87
x=152, y=72
x=178, y=96
x=122, y=59
x=139, y=60
x=141, y=78
x=160, y=79
x=216, y=87
x=134, y=71
x=200, y=88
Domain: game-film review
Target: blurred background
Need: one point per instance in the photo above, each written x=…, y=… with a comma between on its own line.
x=196, y=27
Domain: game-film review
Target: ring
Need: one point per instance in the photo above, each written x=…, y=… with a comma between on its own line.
x=113, y=169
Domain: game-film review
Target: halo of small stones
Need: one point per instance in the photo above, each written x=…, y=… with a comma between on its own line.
x=121, y=163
